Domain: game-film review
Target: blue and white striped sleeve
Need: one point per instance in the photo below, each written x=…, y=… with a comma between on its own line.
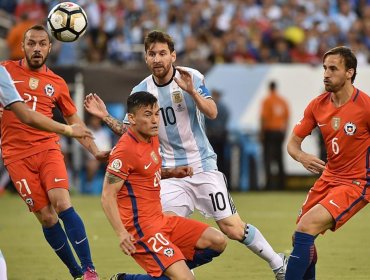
x=8, y=92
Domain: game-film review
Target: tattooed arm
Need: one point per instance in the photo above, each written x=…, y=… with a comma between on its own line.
x=115, y=125
x=112, y=185
x=95, y=106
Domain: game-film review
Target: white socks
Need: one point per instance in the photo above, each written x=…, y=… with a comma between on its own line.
x=255, y=241
x=2, y=267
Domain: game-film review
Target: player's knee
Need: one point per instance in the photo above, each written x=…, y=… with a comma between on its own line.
x=219, y=241
x=61, y=205
x=48, y=219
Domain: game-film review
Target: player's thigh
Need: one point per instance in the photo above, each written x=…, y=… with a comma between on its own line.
x=53, y=172
x=316, y=194
x=317, y=220
x=343, y=202
x=213, y=239
x=210, y=195
x=179, y=271
x=25, y=177
x=155, y=252
x=175, y=197
x=185, y=234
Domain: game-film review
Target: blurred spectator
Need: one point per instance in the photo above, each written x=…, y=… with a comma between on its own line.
x=33, y=8
x=217, y=133
x=15, y=36
x=274, y=122
x=94, y=170
x=242, y=31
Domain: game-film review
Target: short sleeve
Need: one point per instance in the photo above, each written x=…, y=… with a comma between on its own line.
x=64, y=101
x=304, y=127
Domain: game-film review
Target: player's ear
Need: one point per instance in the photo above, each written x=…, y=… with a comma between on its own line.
x=131, y=118
x=350, y=73
x=173, y=55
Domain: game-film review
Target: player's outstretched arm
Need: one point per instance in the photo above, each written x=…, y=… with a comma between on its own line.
x=310, y=162
x=206, y=105
x=88, y=143
x=111, y=186
x=95, y=106
x=177, y=172
x=39, y=121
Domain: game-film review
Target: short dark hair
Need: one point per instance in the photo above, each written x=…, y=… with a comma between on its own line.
x=157, y=36
x=272, y=85
x=38, y=28
x=140, y=99
x=350, y=60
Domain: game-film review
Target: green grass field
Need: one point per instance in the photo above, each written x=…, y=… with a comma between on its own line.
x=342, y=255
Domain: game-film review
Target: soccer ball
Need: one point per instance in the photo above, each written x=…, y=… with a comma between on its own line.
x=67, y=22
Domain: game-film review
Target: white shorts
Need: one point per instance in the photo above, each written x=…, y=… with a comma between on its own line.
x=204, y=191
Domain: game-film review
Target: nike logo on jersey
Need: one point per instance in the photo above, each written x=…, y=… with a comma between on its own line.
x=321, y=124
x=56, y=180
x=333, y=203
x=147, y=166
x=16, y=82
x=292, y=256
x=79, y=242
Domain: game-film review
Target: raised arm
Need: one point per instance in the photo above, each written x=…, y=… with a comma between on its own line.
x=206, y=105
x=310, y=162
x=95, y=106
x=39, y=121
x=88, y=143
x=111, y=186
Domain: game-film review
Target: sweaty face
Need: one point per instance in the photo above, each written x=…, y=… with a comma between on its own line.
x=159, y=60
x=36, y=47
x=335, y=73
x=146, y=121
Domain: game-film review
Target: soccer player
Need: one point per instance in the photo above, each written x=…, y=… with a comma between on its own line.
x=33, y=157
x=10, y=99
x=184, y=100
x=343, y=116
x=165, y=246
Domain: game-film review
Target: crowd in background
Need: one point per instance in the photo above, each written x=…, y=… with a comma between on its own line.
x=206, y=31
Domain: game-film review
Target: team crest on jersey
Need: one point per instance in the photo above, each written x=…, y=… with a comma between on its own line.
x=177, y=96
x=169, y=252
x=33, y=83
x=29, y=201
x=154, y=157
x=350, y=128
x=49, y=90
x=335, y=123
x=116, y=165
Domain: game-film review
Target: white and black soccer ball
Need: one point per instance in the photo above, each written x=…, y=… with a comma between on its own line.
x=67, y=22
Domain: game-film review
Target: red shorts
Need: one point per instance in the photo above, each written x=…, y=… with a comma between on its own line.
x=35, y=175
x=342, y=201
x=161, y=247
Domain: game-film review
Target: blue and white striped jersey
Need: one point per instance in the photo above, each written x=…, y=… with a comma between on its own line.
x=182, y=136
x=8, y=92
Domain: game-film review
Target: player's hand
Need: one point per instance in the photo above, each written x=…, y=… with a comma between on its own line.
x=185, y=82
x=311, y=163
x=1, y=112
x=102, y=156
x=79, y=131
x=95, y=106
x=127, y=243
x=182, y=171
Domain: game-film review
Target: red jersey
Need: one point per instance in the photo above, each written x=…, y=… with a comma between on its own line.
x=41, y=91
x=139, y=164
x=346, y=132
